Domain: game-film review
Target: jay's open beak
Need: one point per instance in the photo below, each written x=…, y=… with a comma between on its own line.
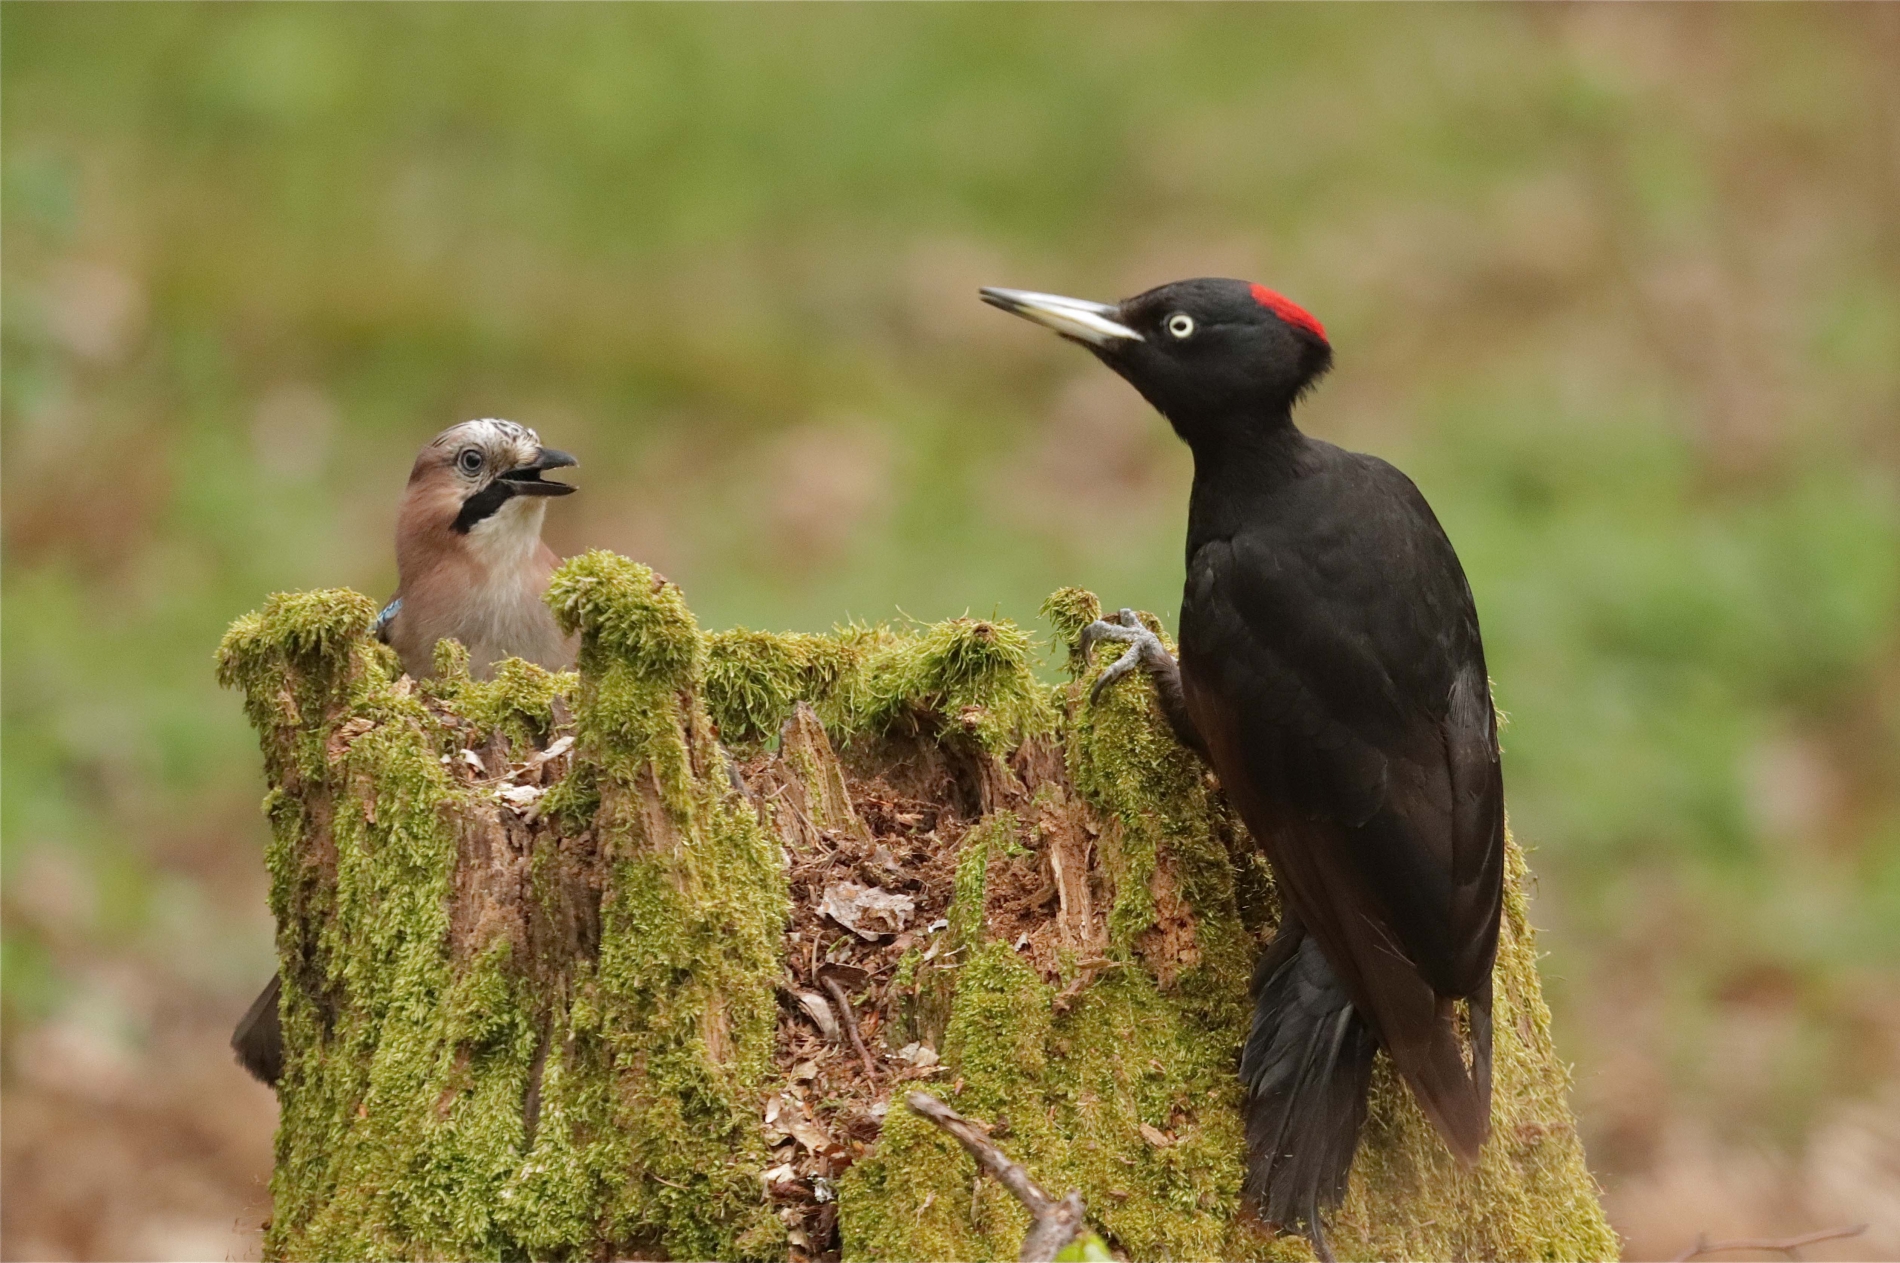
x=525, y=479
x=1090, y=323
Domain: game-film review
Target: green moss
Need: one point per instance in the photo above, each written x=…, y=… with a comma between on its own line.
x=913, y=1198
x=1156, y=1045
x=966, y=926
x=1074, y=1090
x=517, y=703
x=754, y=678
x=308, y=630
x=680, y=1008
x=295, y=661
x=904, y=976
x=926, y=982
x=641, y=653
x=574, y=799
x=690, y=941
x=378, y=1028
x=961, y=681
x=416, y=1045
x=628, y=618
x=404, y=1132
x=448, y=662
x=1137, y=775
x=1069, y=610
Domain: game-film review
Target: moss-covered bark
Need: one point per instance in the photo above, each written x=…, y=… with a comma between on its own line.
x=543, y=939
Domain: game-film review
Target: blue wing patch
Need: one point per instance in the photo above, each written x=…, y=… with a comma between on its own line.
x=380, y=628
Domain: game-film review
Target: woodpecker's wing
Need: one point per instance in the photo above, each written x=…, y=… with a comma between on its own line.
x=1331, y=659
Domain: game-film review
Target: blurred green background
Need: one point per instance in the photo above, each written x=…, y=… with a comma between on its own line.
x=1619, y=287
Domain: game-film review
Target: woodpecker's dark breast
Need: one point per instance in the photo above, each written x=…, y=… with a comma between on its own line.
x=1330, y=656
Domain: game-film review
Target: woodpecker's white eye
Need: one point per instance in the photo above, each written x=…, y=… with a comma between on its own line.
x=1180, y=324
x=470, y=460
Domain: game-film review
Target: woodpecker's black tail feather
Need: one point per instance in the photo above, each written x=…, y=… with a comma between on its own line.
x=258, y=1040
x=1307, y=1067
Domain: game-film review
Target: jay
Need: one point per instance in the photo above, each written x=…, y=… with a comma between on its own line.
x=469, y=557
x=471, y=566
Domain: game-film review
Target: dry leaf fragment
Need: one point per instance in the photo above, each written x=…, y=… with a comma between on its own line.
x=555, y=751
x=806, y=1132
x=345, y=736
x=819, y=1010
x=1155, y=1136
x=870, y=912
x=920, y=1055
x=850, y=977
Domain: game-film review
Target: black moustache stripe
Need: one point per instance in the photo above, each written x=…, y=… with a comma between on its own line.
x=482, y=504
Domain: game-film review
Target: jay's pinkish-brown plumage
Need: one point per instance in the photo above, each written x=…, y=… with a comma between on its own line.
x=469, y=554
x=472, y=568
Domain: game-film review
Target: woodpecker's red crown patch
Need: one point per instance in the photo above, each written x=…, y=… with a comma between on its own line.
x=1289, y=311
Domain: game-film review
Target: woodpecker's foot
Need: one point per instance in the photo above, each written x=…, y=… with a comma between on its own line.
x=1144, y=649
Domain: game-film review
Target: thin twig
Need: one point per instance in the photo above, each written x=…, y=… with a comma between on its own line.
x=851, y=1025
x=1789, y=1246
x=1053, y=1224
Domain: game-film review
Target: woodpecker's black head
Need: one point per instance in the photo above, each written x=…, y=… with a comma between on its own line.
x=1206, y=353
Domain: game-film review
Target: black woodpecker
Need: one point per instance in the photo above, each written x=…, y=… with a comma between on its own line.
x=1332, y=674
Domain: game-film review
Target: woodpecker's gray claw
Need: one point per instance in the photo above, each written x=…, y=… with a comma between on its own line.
x=1123, y=626
x=1117, y=669
x=1143, y=646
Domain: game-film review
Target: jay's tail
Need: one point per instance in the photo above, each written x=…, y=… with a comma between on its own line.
x=258, y=1040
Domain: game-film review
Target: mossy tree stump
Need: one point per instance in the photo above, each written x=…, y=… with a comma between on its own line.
x=557, y=951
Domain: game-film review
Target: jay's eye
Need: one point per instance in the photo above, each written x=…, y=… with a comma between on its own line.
x=1180, y=324
x=470, y=460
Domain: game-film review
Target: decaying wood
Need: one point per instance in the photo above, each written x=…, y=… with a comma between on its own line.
x=636, y=974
